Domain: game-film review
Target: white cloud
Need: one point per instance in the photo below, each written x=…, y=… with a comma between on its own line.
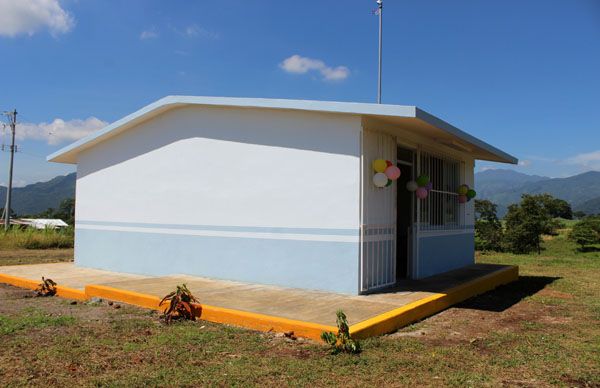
x=148, y=34
x=29, y=16
x=587, y=161
x=302, y=65
x=524, y=163
x=195, y=31
x=59, y=130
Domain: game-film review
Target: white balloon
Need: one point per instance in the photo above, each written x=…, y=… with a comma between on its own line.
x=412, y=186
x=380, y=179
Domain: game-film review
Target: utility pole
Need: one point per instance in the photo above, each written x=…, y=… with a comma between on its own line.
x=380, y=13
x=12, y=117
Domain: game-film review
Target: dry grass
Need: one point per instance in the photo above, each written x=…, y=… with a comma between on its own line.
x=30, y=238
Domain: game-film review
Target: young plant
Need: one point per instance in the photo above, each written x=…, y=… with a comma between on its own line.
x=341, y=342
x=46, y=288
x=180, y=304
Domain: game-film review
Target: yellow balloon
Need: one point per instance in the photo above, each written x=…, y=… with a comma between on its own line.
x=379, y=165
x=462, y=189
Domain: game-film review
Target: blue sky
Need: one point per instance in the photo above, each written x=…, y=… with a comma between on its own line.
x=524, y=76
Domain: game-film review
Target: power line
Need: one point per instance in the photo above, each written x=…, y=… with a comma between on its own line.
x=12, y=120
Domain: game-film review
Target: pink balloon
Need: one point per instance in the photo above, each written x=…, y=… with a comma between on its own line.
x=422, y=193
x=462, y=199
x=392, y=172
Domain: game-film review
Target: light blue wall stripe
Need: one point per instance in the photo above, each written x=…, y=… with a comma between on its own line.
x=329, y=266
x=439, y=254
x=227, y=228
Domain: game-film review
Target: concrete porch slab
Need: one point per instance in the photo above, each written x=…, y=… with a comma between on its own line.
x=261, y=307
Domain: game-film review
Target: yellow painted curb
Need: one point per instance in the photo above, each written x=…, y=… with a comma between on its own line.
x=64, y=292
x=216, y=314
x=395, y=319
x=116, y=294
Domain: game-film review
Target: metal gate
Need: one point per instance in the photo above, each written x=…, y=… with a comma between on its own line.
x=378, y=225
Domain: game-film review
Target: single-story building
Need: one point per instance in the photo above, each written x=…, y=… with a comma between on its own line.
x=275, y=191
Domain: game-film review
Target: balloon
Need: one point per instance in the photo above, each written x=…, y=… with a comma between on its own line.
x=392, y=172
x=422, y=193
x=462, y=199
x=389, y=183
x=379, y=165
x=429, y=186
x=471, y=193
x=380, y=180
x=389, y=163
x=422, y=180
x=463, y=189
x=412, y=186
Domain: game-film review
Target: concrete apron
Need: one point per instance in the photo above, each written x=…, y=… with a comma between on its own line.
x=267, y=308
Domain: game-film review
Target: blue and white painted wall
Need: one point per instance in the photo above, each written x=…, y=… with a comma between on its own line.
x=252, y=195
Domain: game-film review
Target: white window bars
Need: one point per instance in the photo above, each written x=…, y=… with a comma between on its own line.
x=441, y=209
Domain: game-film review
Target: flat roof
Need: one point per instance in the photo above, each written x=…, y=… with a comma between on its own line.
x=409, y=115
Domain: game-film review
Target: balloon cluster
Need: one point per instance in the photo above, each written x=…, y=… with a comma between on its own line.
x=422, y=186
x=465, y=193
x=385, y=173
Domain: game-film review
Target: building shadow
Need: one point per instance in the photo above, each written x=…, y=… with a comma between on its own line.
x=505, y=296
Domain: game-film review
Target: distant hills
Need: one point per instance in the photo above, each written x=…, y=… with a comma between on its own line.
x=37, y=197
x=504, y=187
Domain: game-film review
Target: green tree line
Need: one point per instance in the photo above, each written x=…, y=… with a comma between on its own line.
x=526, y=222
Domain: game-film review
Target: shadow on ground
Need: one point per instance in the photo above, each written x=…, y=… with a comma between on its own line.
x=508, y=295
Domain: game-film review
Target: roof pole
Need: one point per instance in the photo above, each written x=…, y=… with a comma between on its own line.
x=380, y=12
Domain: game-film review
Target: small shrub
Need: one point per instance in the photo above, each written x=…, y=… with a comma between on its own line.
x=180, y=304
x=46, y=288
x=341, y=342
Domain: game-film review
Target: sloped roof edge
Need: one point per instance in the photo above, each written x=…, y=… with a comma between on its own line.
x=68, y=153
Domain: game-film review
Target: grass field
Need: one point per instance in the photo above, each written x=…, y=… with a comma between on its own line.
x=30, y=238
x=539, y=331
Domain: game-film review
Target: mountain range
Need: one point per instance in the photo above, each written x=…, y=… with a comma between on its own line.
x=505, y=187
x=37, y=197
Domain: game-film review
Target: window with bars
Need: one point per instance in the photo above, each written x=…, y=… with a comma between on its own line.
x=441, y=209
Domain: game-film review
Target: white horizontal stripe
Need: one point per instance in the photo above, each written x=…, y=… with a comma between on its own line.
x=219, y=233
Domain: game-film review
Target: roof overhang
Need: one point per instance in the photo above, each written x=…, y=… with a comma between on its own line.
x=408, y=116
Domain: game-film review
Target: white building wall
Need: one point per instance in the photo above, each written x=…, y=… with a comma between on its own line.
x=245, y=194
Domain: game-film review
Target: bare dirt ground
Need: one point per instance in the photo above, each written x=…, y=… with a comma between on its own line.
x=35, y=256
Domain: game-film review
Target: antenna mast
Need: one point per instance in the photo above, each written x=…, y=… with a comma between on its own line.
x=380, y=13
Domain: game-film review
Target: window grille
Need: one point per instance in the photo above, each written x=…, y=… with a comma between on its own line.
x=441, y=210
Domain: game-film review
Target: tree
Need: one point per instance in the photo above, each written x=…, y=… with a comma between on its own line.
x=488, y=229
x=66, y=211
x=556, y=207
x=579, y=214
x=583, y=233
x=525, y=224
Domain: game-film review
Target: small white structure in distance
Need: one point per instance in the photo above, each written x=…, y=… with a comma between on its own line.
x=40, y=223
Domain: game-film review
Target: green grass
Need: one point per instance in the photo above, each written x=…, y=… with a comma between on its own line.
x=32, y=318
x=539, y=331
x=30, y=238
